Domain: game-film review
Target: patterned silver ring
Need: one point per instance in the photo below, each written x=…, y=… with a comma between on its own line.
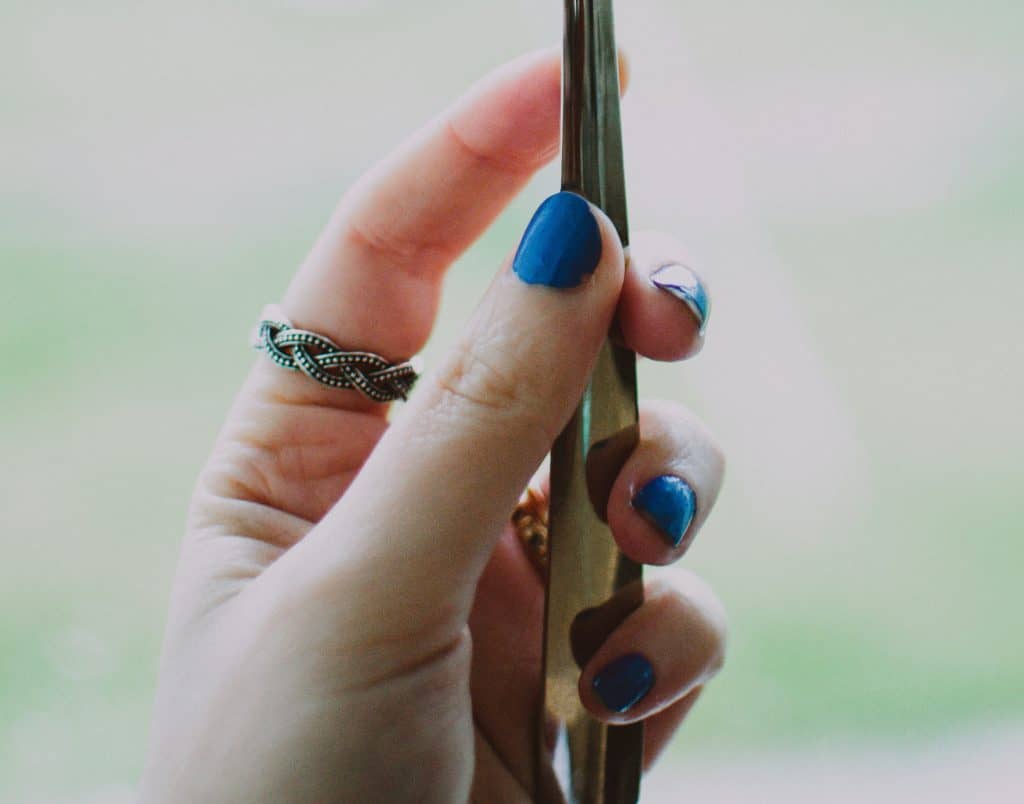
x=321, y=359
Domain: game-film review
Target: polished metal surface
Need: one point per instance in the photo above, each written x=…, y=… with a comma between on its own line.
x=322, y=360
x=580, y=760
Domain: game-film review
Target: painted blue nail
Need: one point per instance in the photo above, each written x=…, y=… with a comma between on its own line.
x=561, y=245
x=669, y=503
x=622, y=683
x=685, y=285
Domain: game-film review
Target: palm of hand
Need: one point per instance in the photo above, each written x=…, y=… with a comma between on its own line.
x=273, y=488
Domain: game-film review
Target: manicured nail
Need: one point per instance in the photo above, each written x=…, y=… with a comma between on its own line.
x=561, y=245
x=685, y=285
x=622, y=683
x=669, y=504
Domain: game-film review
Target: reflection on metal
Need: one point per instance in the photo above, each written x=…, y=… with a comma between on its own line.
x=579, y=760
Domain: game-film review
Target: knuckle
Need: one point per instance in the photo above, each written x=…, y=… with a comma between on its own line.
x=475, y=383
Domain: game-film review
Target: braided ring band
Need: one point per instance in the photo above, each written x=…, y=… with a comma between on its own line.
x=321, y=359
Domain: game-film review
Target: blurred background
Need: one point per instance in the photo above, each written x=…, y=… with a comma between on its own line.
x=851, y=176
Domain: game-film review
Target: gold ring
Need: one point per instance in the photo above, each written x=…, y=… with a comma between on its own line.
x=530, y=520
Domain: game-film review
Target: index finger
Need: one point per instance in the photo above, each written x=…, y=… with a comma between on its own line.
x=372, y=282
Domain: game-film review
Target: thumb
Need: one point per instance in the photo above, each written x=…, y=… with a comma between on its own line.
x=426, y=509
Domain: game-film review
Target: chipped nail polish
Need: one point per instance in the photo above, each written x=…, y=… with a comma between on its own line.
x=683, y=283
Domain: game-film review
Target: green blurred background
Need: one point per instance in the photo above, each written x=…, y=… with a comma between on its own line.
x=851, y=176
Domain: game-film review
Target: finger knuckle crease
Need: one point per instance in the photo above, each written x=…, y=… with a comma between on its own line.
x=473, y=379
x=408, y=254
x=507, y=164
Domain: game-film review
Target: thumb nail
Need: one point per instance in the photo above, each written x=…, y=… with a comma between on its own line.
x=561, y=245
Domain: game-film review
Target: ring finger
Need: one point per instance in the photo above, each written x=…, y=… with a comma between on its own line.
x=662, y=495
x=667, y=487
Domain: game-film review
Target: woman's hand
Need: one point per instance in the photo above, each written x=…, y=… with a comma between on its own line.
x=354, y=619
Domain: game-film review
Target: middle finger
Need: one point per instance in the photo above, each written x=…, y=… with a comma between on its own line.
x=663, y=493
x=667, y=487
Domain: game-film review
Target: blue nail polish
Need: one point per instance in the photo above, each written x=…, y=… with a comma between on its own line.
x=685, y=285
x=669, y=503
x=561, y=245
x=622, y=683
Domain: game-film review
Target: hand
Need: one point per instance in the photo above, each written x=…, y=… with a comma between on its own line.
x=354, y=619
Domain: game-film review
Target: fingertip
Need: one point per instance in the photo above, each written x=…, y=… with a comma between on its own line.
x=514, y=112
x=665, y=304
x=670, y=646
x=653, y=323
x=667, y=487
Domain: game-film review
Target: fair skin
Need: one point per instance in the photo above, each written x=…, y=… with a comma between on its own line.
x=354, y=618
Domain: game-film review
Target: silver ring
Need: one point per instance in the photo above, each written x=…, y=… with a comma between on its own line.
x=321, y=359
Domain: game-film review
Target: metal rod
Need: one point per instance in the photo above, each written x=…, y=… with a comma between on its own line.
x=580, y=760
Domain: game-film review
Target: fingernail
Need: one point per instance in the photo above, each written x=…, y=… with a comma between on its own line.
x=685, y=285
x=561, y=245
x=624, y=682
x=669, y=504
